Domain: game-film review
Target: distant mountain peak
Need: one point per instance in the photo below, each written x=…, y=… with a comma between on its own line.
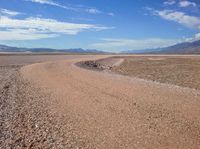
x=180, y=48
x=5, y=48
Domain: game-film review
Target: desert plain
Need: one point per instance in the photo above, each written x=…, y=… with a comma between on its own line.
x=99, y=101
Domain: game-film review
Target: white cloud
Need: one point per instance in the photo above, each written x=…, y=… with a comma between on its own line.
x=93, y=10
x=52, y=3
x=49, y=2
x=179, y=17
x=70, y=7
x=192, y=39
x=187, y=4
x=111, y=14
x=15, y=29
x=22, y=34
x=9, y=12
x=197, y=36
x=170, y=2
x=113, y=45
x=133, y=44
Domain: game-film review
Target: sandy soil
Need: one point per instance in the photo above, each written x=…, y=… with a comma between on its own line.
x=60, y=105
x=25, y=120
x=182, y=71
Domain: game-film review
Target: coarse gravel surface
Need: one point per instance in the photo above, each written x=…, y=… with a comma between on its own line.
x=57, y=104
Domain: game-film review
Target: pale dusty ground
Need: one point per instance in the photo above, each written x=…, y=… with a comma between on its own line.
x=64, y=106
x=181, y=71
x=25, y=120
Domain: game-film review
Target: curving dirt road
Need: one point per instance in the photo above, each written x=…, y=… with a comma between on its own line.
x=102, y=110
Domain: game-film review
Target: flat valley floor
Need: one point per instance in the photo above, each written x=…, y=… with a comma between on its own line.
x=47, y=101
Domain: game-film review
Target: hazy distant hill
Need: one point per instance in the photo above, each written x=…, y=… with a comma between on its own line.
x=181, y=48
x=140, y=51
x=4, y=48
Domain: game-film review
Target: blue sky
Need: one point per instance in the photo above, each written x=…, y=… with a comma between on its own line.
x=109, y=25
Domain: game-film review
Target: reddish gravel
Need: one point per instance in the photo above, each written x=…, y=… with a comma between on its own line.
x=59, y=105
x=112, y=111
x=25, y=119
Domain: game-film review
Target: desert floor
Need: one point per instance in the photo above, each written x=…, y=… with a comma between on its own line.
x=46, y=101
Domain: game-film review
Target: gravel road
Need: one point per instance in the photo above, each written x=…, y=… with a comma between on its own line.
x=60, y=105
x=25, y=120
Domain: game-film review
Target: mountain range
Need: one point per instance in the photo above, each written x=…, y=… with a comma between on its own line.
x=181, y=48
x=5, y=48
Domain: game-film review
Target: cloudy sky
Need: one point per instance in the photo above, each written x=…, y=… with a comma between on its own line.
x=109, y=25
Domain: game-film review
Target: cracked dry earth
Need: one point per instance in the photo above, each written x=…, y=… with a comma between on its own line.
x=59, y=105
